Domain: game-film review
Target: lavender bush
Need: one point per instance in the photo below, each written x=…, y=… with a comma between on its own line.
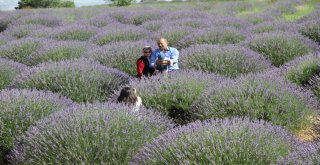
x=20, y=50
x=82, y=80
x=221, y=141
x=38, y=19
x=311, y=29
x=227, y=60
x=74, y=32
x=138, y=17
x=8, y=71
x=265, y=96
x=119, y=32
x=214, y=35
x=57, y=51
x=277, y=25
x=173, y=95
x=20, y=109
x=121, y=55
x=310, y=154
x=6, y=18
x=280, y=47
x=173, y=34
x=93, y=134
x=21, y=31
x=302, y=69
x=153, y=26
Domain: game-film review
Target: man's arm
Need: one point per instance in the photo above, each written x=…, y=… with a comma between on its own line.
x=174, y=56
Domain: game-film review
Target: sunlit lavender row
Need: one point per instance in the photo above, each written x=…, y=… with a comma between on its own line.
x=247, y=91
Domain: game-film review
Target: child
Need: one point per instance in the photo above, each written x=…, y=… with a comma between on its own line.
x=129, y=97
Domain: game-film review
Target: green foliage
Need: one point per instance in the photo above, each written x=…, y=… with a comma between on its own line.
x=302, y=73
x=63, y=53
x=257, y=99
x=173, y=95
x=20, y=52
x=279, y=48
x=122, y=2
x=119, y=36
x=21, y=109
x=80, y=35
x=311, y=29
x=44, y=4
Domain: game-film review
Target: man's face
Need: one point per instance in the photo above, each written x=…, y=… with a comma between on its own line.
x=163, y=44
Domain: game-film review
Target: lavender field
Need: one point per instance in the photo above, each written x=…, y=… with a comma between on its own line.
x=247, y=91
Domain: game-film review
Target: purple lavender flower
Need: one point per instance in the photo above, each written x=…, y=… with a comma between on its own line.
x=265, y=96
x=174, y=94
x=309, y=154
x=57, y=51
x=20, y=109
x=301, y=69
x=98, y=134
x=119, y=32
x=74, y=32
x=220, y=141
x=213, y=35
x=121, y=55
x=19, y=50
x=39, y=19
x=82, y=80
x=229, y=60
x=280, y=47
x=311, y=29
x=277, y=25
x=8, y=71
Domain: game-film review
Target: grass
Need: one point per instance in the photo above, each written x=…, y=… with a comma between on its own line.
x=302, y=10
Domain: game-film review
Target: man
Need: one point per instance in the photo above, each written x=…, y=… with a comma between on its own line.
x=171, y=56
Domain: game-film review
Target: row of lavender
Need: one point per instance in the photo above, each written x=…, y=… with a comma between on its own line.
x=84, y=133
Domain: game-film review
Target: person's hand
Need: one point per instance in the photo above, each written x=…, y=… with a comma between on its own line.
x=170, y=62
x=159, y=62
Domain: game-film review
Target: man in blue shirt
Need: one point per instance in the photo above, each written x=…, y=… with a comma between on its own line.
x=170, y=59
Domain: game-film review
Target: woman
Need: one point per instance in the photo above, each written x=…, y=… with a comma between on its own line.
x=143, y=63
x=129, y=97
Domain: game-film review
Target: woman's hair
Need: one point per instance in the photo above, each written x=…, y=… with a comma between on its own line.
x=128, y=96
x=147, y=48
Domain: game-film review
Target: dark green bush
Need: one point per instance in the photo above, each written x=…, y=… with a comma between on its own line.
x=44, y=4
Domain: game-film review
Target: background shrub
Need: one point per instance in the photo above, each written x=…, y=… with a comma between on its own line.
x=223, y=141
x=280, y=47
x=82, y=80
x=20, y=109
x=311, y=29
x=265, y=96
x=57, y=51
x=93, y=134
x=117, y=33
x=276, y=25
x=21, y=31
x=44, y=3
x=174, y=94
x=309, y=154
x=302, y=69
x=227, y=60
x=8, y=71
x=20, y=50
x=44, y=19
x=121, y=55
x=74, y=32
x=214, y=35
